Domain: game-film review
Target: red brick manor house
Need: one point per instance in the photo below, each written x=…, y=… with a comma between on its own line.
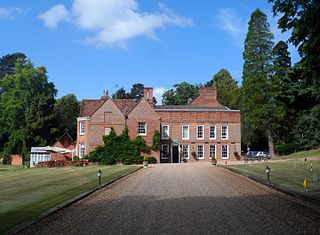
x=194, y=132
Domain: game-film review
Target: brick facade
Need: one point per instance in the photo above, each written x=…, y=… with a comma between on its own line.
x=207, y=126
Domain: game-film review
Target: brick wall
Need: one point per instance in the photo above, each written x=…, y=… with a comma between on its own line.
x=16, y=160
x=175, y=121
x=143, y=112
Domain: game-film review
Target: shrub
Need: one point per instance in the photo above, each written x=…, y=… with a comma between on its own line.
x=285, y=149
x=76, y=158
x=152, y=160
x=156, y=140
x=119, y=148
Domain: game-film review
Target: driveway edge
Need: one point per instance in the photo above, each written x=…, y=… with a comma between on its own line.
x=273, y=186
x=24, y=225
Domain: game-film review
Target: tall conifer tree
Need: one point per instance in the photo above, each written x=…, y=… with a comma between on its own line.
x=257, y=70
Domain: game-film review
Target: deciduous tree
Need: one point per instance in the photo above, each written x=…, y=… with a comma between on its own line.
x=67, y=110
x=27, y=108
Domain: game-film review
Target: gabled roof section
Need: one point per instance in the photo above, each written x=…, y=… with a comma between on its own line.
x=88, y=107
x=125, y=105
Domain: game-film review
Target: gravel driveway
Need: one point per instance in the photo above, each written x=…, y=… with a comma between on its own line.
x=183, y=199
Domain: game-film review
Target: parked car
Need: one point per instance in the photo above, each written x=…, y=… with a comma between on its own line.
x=262, y=154
x=251, y=154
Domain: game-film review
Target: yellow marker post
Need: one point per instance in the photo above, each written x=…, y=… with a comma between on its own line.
x=305, y=183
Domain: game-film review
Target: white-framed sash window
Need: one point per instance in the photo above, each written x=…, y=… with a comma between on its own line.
x=142, y=128
x=212, y=151
x=200, y=152
x=212, y=133
x=200, y=132
x=185, y=151
x=185, y=132
x=82, y=128
x=165, y=132
x=224, y=151
x=224, y=133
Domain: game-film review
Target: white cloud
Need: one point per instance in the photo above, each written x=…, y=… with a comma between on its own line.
x=11, y=12
x=158, y=92
x=229, y=21
x=54, y=15
x=116, y=21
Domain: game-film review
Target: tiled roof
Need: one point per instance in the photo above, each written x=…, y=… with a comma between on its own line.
x=88, y=107
x=188, y=107
x=125, y=105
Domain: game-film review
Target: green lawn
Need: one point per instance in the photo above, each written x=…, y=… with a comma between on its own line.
x=288, y=172
x=26, y=193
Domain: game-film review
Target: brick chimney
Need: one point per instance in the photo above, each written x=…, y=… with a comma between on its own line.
x=148, y=94
x=105, y=95
x=207, y=98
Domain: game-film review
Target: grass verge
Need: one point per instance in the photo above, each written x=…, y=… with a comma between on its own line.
x=288, y=174
x=27, y=193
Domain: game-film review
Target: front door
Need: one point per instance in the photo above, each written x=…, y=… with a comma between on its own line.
x=175, y=154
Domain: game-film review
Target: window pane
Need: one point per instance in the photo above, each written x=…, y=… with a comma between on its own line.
x=185, y=132
x=212, y=151
x=200, y=152
x=200, y=132
x=224, y=132
x=224, y=151
x=164, y=151
x=142, y=128
x=212, y=132
x=82, y=127
x=185, y=151
x=165, y=132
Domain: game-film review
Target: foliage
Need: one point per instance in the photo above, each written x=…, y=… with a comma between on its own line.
x=302, y=18
x=307, y=129
x=67, y=109
x=261, y=111
x=136, y=91
x=8, y=62
x=152, y=160
x=287, y=148
x=26, y=108
x=229, y=93
x=156, y=140
x=119, y=148
x=76, y=158
x=181, y=94
x=120, y=94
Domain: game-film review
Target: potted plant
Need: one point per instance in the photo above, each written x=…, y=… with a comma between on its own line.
x=145, y=161
x=213, y=159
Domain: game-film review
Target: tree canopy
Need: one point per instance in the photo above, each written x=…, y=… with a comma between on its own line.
x=181, y=94
x=26, y=108
x=66, y=110
x=259, y=107
x=302, y=18
x=229, y=93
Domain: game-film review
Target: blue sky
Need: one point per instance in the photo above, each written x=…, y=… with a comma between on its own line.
x=92, y=45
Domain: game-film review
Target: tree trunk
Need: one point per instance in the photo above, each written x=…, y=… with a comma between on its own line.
x=270, y=143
